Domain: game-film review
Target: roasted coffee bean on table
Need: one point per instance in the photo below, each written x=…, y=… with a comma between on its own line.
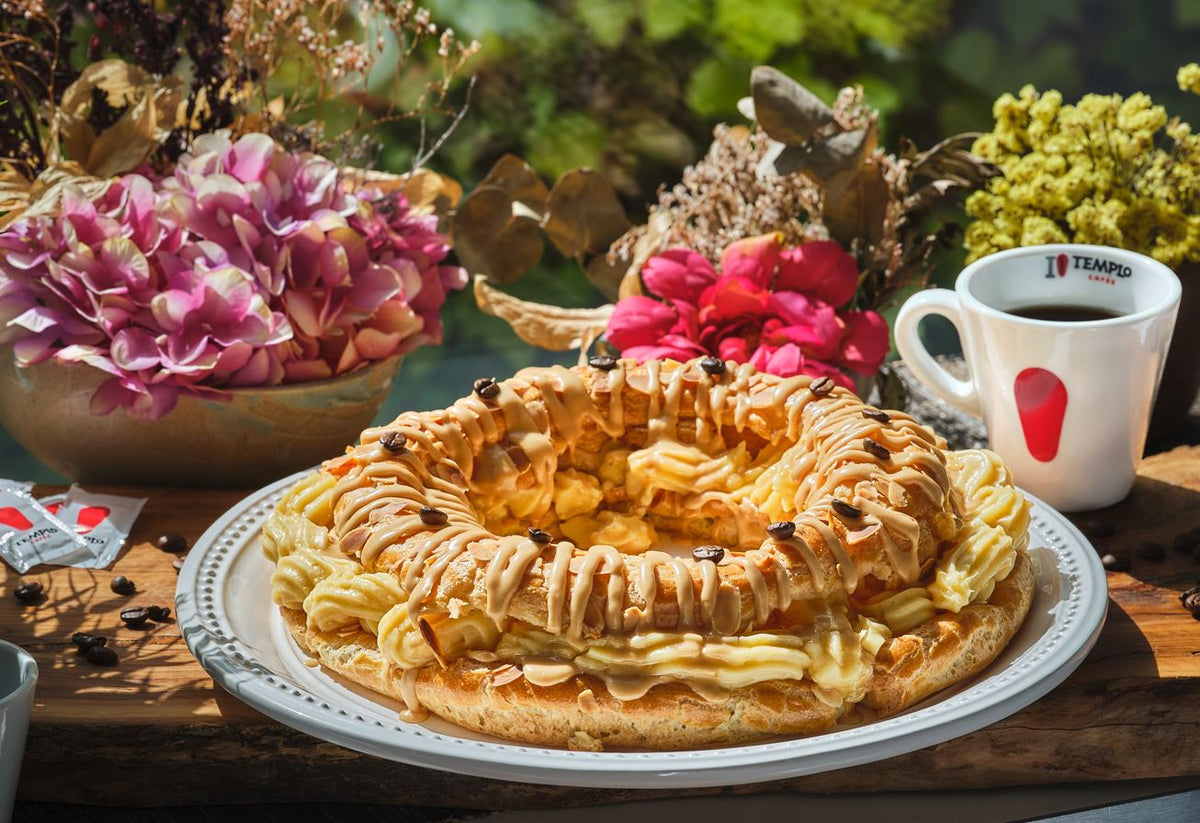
x=84, y=641
x=135, y=618
x=1190, y=599
x=101, y=656
x=1115, y=562
x=122, y=585
x=29, y=593
x=172, y=543
x=158, y=613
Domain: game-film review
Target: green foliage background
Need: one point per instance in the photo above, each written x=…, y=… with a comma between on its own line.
x=634, y=87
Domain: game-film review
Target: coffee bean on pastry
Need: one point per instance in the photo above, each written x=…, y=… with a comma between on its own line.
x=782, y=530
x=845, y=509
x=487, y=387
x=713, y=365
x=876, y=449
x=394, y=441
x=539, y=536
x=433, y=517
x=821, y=386
x=603, y=362
x=713, y=553
x=876, y=414
x=1185, y=542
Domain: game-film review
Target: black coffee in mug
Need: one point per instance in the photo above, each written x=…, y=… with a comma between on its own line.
x=1064, y=314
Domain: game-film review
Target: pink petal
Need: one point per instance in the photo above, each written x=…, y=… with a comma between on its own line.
x=865, y=343
x=107, y=397
x=302, y=371
x=303, y=313
x=736, y=349
x=753, y=258
x=678, y=274
x=373, y=344
x=250, y=156
x=733, y=297
x=785, y=361
x=638, y=321
x=821, y=268
x=134, y=350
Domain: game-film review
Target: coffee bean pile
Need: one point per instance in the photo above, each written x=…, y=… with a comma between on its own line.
x=1151, y=551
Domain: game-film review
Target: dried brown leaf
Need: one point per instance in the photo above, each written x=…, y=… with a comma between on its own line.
x=43, y=196
x=606, y=275
x=833, y=161
x=491, y=238
x=520, y=181
x=859, y=213
x=583, y=214
x=786, y=110
x=547, y=327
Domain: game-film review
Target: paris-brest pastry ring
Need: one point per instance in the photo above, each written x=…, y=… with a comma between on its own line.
x=661, y=555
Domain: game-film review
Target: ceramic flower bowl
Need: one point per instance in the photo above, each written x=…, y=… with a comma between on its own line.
x=261, y=434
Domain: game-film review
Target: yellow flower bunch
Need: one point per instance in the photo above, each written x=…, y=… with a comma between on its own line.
x=1107, y=170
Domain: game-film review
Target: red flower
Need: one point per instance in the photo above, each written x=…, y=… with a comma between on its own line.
x=772, y=307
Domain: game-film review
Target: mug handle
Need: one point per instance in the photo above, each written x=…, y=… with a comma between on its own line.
x=944, y=302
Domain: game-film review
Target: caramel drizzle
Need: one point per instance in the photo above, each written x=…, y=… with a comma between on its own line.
x=390, y=489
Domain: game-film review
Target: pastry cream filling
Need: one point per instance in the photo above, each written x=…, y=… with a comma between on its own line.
x=995, y=527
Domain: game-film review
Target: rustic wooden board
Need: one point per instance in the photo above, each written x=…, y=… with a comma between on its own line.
x=155, y=730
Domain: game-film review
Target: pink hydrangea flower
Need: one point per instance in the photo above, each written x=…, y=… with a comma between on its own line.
x=248, y=265
x=780, y=309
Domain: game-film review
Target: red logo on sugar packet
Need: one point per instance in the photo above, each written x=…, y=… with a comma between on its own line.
x=1042, y=405
x=89, y=517
x=13, y=517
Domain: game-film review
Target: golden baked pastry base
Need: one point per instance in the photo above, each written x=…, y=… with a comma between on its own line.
x=940, y=652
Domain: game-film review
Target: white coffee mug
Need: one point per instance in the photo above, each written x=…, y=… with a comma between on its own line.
x=18, y=676
x=1066, y=402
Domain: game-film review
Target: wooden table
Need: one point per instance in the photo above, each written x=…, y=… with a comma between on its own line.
x=155, y=730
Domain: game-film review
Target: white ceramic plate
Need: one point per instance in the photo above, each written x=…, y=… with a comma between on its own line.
x=229, y=623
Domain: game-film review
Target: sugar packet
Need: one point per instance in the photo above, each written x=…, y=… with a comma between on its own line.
x=31, y=535
x=102, y=520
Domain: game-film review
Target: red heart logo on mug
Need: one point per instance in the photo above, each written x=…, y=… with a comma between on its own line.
x=1042, y=405
x=90, y=517
x=11, y=516
x=1061, y=262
